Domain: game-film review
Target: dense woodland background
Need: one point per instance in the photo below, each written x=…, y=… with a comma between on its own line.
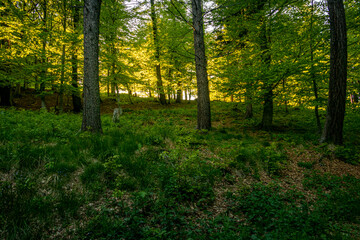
x=232, y=123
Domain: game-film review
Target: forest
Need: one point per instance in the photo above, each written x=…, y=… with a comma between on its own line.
x=179, y=119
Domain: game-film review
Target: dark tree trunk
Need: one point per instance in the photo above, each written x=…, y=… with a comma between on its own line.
x=76, y=99
x=5, y=96
x=248, y=101
x=129, y=93
x=179, y=94
x=62, y=78
x=312, y=71
x=285, y=100
x=268, y=107
x=333, y=129
x=43, y=58
x=113, y=80
x=91, y=114
x=268, y=110
x=159, y=83
x=169, y=94
x=17, y=90
x=249, y=111
x=203, y=102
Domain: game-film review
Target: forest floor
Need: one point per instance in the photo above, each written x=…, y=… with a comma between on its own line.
x=152, y=175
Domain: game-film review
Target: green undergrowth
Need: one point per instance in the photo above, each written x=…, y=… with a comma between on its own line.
x=152, y=175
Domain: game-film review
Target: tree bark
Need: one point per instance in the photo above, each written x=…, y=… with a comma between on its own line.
x=203, y=103
x=312, y=70
x=159, y=83
x=333, y=129
x=178, y=96
x=248, y=101
x=76, y=99
x=268, y=107
x=43, y=58
x=5, y=93
x=91, y=114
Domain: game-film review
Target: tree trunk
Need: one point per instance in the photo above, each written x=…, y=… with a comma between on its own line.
x=312, y=71
x=43, y=58
x=268, y=108
x=113, y=80
x=129, y=93
x=179, y=94
x=62, y=78
x=249, y=111
x=268, y=111
x=248, y=101
x=76, y=99
x=17, y=90
x=159, y=83
x=5, y=93
x=203, y=103
x=333, y=129
x=285, y=100
x=91, y=114
x=149, y=88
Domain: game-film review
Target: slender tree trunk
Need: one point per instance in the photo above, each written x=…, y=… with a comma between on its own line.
x=178, y=96
x=268, y=110
x=312, y=70
x=113, y=87
x=203, y=103
x=17, y=90
x=108, y=83
x=129, y=93
x=43, y=60
x=149, y=88
x=169, y=93
x=268, y=107
x=333, y=129
x=91, y=114
x=179, y=93
x=249, y=107
x=249, y=111
x=159, y=82
x=76, y=99
x=285, y=100
x=248, y=101
x=62, y=78
x=5, y=96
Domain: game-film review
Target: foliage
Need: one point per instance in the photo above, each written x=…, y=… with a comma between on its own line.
x=153, y=173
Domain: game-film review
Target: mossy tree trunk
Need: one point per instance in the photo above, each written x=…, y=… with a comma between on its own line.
x=333, y=129
x=91, y=114
x=203, y=102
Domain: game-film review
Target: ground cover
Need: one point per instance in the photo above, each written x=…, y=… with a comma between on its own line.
x=152, y=175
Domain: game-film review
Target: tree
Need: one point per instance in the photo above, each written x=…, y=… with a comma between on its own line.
x=203, y=101
x=333, y=129
x=157, y=54
x=74, y=59
x=91, y=114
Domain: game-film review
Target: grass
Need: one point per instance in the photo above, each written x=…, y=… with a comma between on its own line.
x=153, y=176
